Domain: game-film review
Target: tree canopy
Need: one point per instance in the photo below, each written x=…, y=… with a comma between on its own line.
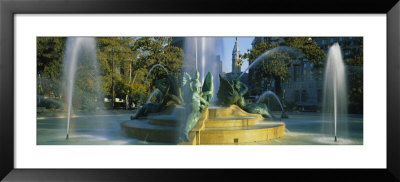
x=123, y=63
x=275, y=66
x=50, y=51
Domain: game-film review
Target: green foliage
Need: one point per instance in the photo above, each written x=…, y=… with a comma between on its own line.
x=153, y=51
x=126, y=61
x=49, y=104
x=116, y=58
x=308, y=47
x=123, y=65
x=87, y=86
x=136, y=90
x=156, y=50
x=275, y=67
x=49, y=55
x=257, y=50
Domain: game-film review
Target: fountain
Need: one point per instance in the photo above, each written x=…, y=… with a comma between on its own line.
x=175, y=116
x=147, y=77
x=335, y=96
x=233, y=92
x=202, y=53
x=154, y=93
x=268, y=93
x=78, y=50
x=148, y=107
x=228, y=124
x=293, y=53
x=192, y=121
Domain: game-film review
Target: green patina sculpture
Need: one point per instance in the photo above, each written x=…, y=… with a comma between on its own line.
x=197, y=99
x=207, y=91
x=232, y=93
x=171, y=91
x=171, y=94
x=259, y=108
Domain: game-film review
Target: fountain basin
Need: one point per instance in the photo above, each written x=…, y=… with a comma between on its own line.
x=156, y=128
x=143, y=130
x=164, y=120
x=238, y=121
x=262, y=131
x=225, y=125
x=231, y=111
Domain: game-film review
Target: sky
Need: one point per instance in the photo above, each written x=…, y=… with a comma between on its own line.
x=228, y=44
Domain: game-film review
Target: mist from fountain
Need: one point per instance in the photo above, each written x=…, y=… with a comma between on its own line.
x=78, y=50
x=292, y=53
x=335, y=95
x=147, y=77
x=154, y=93
x=270, y=93
x=202, y=53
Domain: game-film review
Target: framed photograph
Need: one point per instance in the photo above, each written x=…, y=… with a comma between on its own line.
x=125, y=90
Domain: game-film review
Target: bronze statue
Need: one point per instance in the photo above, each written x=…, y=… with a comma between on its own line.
x=197, y=99
x=232, y=93
x=171, y=94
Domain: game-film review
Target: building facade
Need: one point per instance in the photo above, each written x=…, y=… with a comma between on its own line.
x=305, y=85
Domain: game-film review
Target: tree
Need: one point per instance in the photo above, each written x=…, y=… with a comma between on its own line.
x=49, y=55
x=116, y=58
x=308, y=47
x=123, y=63
x=156, y=50
x=275, y=66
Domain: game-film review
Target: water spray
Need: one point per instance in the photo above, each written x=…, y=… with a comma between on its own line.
x=334, y=104
x=267, y=93
x=335, y=96
x=147, y=77
x=73, y=51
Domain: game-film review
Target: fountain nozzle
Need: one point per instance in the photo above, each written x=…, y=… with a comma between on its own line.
x=67, y=137
x=335, y=139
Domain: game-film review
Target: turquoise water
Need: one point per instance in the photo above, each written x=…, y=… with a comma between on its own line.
x=103, y=128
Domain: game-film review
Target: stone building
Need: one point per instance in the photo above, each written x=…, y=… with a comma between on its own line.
x=305, y=86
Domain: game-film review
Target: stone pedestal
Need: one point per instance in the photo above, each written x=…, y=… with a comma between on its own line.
x=218, y=125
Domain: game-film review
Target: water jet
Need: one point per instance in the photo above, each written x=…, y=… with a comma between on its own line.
x=78, y=49
x=335, y=95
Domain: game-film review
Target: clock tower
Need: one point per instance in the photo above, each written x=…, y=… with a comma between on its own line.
x=236, y=61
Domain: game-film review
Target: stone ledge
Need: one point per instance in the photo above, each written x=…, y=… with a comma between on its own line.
x=241, y=135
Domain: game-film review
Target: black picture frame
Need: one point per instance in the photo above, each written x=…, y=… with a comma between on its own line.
x=9, y=8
